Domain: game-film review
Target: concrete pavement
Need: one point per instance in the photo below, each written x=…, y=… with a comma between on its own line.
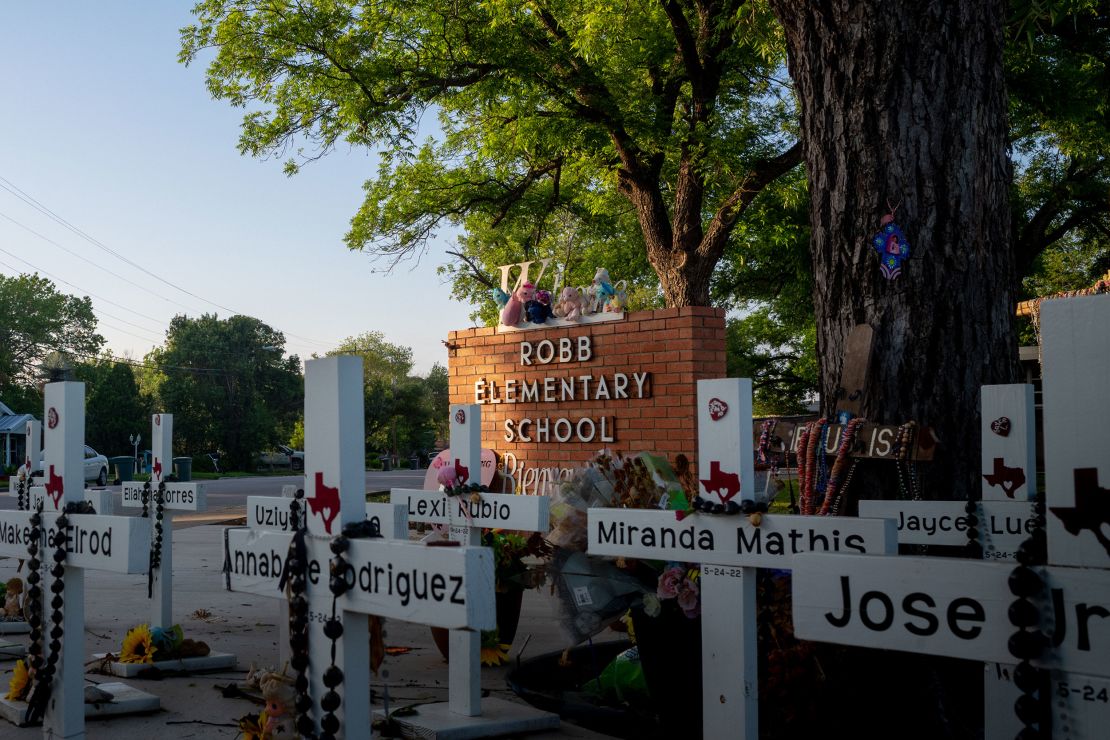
x=248, y=626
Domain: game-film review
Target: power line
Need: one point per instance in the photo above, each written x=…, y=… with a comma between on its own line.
x=75, y=287
x=31, y=201
x=80, y=256
x=41, y=208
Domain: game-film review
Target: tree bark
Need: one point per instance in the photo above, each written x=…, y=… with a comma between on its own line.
x=903, y=105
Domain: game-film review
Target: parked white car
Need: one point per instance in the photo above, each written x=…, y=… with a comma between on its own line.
x=283, y=456
x=96, y=466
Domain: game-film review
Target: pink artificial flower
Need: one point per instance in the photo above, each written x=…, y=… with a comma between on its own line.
x=669, y=582
x=446, y=476
x=688, y=598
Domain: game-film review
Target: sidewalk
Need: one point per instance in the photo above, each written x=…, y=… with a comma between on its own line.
x=248, y=626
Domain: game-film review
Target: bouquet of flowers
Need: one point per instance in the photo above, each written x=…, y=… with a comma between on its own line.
x=594, y=593
x=143, y=644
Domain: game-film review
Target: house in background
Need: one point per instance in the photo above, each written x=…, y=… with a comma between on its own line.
x=13, y=432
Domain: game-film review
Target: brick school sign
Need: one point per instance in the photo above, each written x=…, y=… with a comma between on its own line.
x=552, y=397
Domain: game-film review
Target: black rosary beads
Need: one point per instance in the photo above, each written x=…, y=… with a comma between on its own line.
x=34, y=595
x=156, y=543
x=1028, y=642
x=747, y=506
x=44, y=670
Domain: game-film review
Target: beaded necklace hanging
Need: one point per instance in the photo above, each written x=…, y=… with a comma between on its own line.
x=814, y=449
x=1029, y=642
x=904, y=443
x=838, y=482
x=34, y=592
x=800, y=460
x=43, y=671
x=20, y=488
x=156, y=543
x=145, y=499
x=294, y=574
x=339, y=582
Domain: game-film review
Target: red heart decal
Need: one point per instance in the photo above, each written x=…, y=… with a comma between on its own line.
x=717, y=409
x=1001, y=426
x=460, y=416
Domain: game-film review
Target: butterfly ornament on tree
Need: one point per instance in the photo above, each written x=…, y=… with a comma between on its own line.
x=891, y=245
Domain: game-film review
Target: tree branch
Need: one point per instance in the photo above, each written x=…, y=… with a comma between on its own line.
x=475, y=271
x=761, y=175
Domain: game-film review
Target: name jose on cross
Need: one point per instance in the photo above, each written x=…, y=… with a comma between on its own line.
x=956, y=608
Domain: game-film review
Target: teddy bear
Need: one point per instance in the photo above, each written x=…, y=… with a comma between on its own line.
x=539, y=310
x=569, y=305
x=13, y=598
x=514, y=308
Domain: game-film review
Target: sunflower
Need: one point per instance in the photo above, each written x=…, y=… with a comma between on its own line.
x=138, y=646
x=494, y=652
x=21, y=681
x=253, y=726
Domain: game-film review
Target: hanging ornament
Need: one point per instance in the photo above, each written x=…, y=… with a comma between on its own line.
x=891, y=245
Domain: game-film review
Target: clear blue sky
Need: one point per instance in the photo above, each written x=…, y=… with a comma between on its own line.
x=102, y=125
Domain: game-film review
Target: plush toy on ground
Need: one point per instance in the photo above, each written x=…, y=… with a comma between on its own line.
x=13, y=599
x=539, y=310
x=514, y=308
x=278, y=691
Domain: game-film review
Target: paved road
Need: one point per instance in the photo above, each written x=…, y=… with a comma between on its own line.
x=228, y=496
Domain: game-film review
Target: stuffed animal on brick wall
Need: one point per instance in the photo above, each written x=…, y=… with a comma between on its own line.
x=599, y=291
x=619, y=299
x=514, y=308
x=569, y=305
x=539, y=310
x=500, y=297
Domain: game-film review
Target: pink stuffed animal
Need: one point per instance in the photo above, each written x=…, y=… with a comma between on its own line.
x=570, y=304
x=514, y=309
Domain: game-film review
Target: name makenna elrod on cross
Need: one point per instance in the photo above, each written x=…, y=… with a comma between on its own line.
x=550, y=389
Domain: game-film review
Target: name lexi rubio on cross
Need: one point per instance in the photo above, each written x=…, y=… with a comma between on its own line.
x=497, y=511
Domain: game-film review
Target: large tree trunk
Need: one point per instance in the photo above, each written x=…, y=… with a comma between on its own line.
x=903, y=105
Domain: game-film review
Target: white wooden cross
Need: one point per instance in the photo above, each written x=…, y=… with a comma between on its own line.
x=444, y=587
x=92, y=541
x=957, y=608
x=176, y=496
x=467, y=515
x=102, y=501
x=32, y=447
x=19, y=486
x=729, y=548
x=1004, y=519
x=272, y=513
